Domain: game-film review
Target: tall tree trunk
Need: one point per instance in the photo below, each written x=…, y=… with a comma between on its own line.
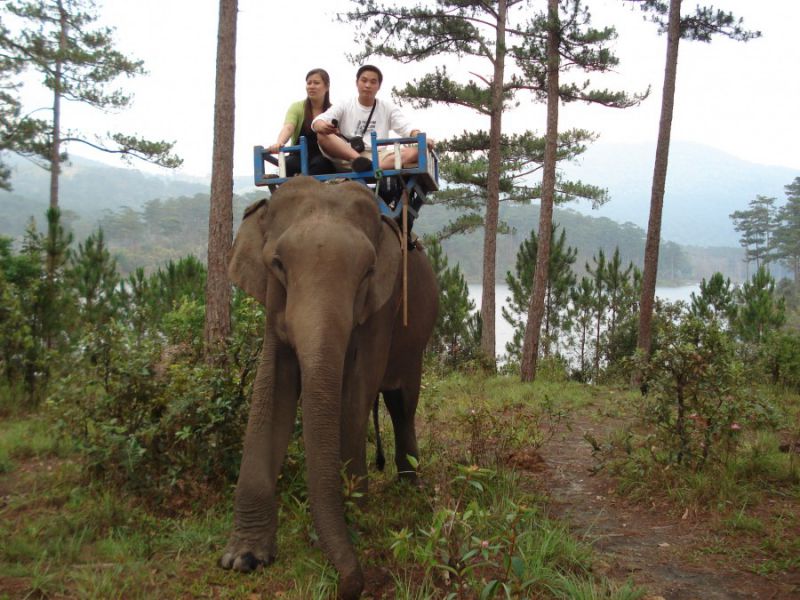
x=493, y=192
x=599, y=316
x=530, y=345
x=644, y=342
x=55, y=148
x=220, y=220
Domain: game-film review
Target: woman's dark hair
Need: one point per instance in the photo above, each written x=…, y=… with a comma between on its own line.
x=326, y=102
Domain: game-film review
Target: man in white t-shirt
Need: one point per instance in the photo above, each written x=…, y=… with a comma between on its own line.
x=359, y=117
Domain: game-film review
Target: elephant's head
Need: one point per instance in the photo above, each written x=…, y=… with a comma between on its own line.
x=319, y=257
x=323, y=262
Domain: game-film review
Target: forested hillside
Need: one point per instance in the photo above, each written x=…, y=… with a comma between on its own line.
x=150, y=219
x=163, y=230
x=586, y=233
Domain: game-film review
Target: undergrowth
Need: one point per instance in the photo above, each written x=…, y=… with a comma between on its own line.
x=472, y=529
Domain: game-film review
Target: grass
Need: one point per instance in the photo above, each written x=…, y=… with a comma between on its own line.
x=474, y=522
x=749, y=500
x=68, y=536
x=28, y=437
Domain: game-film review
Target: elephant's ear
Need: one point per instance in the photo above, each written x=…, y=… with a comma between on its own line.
x=246, y=268
x=383, y=287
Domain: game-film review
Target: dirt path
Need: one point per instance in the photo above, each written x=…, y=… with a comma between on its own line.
x=656, y=549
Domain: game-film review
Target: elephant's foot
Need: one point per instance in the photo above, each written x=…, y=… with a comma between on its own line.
x=412, y=479
x=351, y=585
x=246, y=555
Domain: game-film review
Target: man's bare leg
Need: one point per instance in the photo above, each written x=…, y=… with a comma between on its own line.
x=408, y=156
x=335, y=147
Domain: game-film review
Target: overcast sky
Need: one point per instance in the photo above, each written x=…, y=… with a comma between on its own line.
x=743, y=98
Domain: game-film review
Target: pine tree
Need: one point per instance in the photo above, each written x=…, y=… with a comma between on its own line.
x=581, y=315
x=92, y=276
x=787, y=233
x=571, y=43
x=21, y=134
x=560, y=280
x=137, y=292
x=760, y=310
x=456, y=335
x=463, y=163
x=700, y=26
x=484, y=31
x=176, y=282
x=46, y=302
x=78, y=63
x=618, y=283
x=756, y=226
x=217, y=327
x=600, y=303
x=463, y=28
x=54, y=302
x=16, y=341
x=716, y=300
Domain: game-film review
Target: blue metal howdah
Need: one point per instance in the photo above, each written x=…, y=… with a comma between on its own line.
x=418, y=180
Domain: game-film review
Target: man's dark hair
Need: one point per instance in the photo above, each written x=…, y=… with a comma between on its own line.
x=370, y=68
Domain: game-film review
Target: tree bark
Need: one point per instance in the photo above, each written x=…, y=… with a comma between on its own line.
x=220, y=221
x=55, y=149
x=530, y=345
x=493, y=192
x=644, y=342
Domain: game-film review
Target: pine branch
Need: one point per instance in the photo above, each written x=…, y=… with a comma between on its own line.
x=157, y=153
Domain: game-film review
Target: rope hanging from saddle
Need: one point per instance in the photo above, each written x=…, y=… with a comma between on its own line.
x=404, y=248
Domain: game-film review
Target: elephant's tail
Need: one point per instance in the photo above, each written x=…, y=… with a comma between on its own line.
x=380, y=459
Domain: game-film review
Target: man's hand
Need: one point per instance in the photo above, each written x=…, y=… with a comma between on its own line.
x=324, y=127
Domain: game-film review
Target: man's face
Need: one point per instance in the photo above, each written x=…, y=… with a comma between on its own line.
x=368, y=85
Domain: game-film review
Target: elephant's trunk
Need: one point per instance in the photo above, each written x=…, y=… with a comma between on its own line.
x=321, y=364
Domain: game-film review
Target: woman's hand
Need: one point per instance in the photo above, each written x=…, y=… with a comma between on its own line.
x=273, y=149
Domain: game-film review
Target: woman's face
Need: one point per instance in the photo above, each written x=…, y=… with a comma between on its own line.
x=315, y=87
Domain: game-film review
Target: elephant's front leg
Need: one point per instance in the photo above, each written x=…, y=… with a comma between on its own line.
x=272, y=412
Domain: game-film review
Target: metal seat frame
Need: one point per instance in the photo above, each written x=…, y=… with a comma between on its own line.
x=417, y=181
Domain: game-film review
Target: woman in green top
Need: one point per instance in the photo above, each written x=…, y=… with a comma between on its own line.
x=298, y=122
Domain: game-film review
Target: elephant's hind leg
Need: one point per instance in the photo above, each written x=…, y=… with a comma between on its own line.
x=269, y=428
x=402, y=406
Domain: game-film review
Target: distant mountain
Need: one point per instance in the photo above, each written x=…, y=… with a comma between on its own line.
x=87, y=186
x=88, y=189
x=704, y=186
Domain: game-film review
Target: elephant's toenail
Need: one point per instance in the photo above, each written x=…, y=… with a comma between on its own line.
x=248, y=562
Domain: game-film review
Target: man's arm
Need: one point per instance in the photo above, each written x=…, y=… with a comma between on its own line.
x=324, y=123
x=399, y=123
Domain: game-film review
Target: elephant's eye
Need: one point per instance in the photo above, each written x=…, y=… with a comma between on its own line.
x=277, y=264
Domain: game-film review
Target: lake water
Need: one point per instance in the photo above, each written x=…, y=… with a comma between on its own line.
x=504, y=332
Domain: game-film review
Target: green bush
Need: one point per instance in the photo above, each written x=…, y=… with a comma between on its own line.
x=780, y=357
x=159, y=418
x=698, y=400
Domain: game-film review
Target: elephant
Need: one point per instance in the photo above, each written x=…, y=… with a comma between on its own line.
x=329, y=270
